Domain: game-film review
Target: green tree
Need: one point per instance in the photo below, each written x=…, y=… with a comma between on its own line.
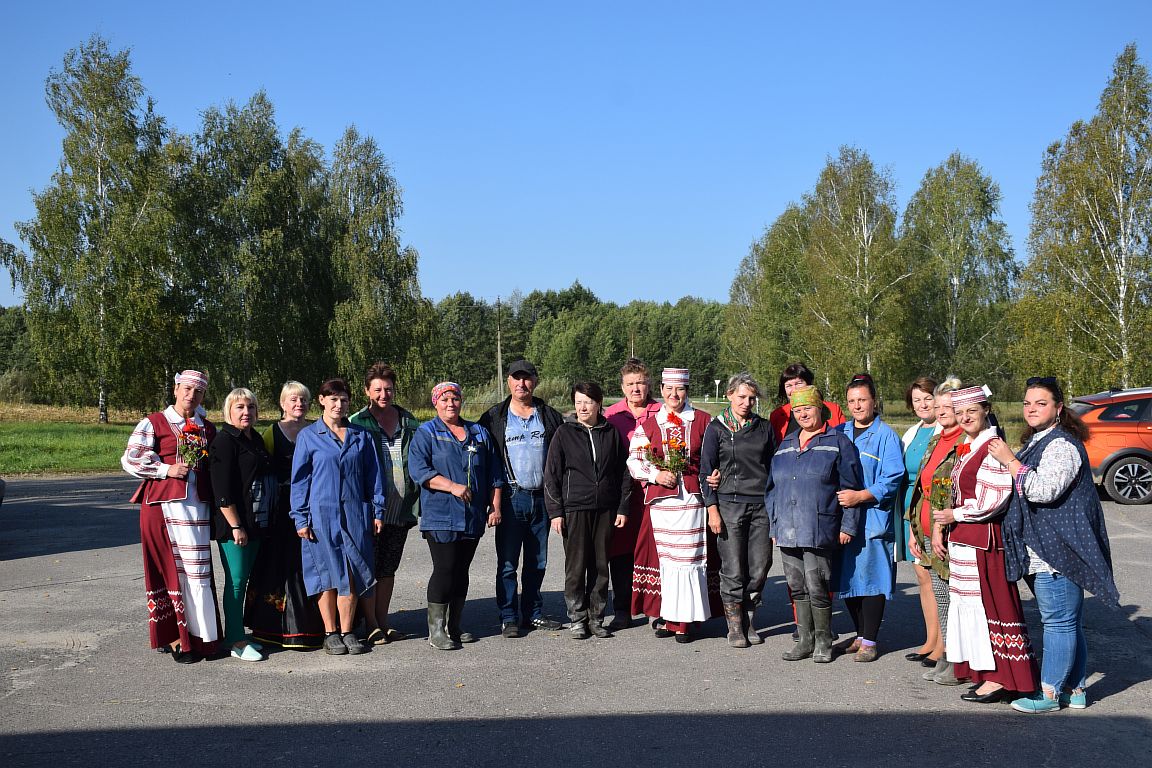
x=466, y=340
x=1091, y=235
x=94, y=274
x=965, y=272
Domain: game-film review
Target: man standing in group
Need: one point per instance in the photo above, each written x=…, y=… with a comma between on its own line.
x=522, y=427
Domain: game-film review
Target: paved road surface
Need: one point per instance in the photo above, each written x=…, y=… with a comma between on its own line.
x=81, y=686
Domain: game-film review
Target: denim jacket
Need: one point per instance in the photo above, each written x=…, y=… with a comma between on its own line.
x=474, y=462
x=802, y=485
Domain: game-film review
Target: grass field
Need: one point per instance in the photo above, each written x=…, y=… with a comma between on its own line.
x=39, y=439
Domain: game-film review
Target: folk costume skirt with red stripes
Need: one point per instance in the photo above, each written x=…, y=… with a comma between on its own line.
x=679, y=526
x=987, y=637
x=646, y=581
x=175, y=537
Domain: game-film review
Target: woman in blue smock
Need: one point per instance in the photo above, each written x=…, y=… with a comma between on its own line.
x=337, y=507
x=867, y=572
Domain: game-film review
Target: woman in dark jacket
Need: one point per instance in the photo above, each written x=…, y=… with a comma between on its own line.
x=810, y=467
x=586, y=490
x=1055, y=539
x=734, y=464
x=244, y=488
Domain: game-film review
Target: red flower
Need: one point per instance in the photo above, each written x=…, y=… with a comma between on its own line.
x=674, y=418
x=963, y=449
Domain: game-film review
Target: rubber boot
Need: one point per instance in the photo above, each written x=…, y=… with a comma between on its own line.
x=750, y=626
x=805, y=642
x=734, y=615
x=437, y=633
x=822, y=623
x=455, y=611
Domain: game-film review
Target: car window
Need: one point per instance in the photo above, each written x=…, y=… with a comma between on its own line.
x=1133, y=410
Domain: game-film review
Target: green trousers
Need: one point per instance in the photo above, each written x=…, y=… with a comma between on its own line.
x=238, y=563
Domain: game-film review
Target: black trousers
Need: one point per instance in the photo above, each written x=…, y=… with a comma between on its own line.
x=620, y=569
x=450, y=563
x=867, y=612
x=586, y=563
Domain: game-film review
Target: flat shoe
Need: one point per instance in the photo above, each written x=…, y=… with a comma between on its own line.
x=353, y=644
x=867, y=653
x=184, y=657
x=998, y=695
x=334, y=645
x=395, y=636
x=248, y=653
x=683, y=637
x=917, y=656
x=663, y=632
x=1074, y=700
x=376, y=637
x=928, y=662
x=1036, y=704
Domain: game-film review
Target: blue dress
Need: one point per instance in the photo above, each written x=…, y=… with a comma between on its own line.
x=337, y=491
x=913, y=456
x=866, y=564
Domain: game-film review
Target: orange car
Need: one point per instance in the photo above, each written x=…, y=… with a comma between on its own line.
x=1120, y=441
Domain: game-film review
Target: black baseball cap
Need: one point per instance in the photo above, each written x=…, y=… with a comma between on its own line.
x=523, y=366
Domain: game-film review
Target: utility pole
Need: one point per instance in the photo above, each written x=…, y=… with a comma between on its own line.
x=499, y=358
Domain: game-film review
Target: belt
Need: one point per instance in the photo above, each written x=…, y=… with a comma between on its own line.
x=532, y=491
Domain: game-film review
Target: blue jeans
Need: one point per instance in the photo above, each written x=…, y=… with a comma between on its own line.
x=524, y=527
x=1061, y=604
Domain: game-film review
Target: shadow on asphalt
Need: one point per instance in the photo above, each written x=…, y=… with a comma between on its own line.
x=979, y=738
x=67, y=518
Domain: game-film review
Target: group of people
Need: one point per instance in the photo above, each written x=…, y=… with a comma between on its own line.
x=673, y=510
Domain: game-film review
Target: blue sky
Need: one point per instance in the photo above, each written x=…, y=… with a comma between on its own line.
x=639, y=147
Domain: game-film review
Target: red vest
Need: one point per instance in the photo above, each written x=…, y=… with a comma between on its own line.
x=979, y=535
x=167, y=448
x=691, y=472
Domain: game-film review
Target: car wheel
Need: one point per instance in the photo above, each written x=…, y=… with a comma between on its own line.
x=1129, y=481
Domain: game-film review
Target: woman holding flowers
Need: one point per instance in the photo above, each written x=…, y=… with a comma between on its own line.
x=665, y=456
x=931, y=490
x=461, y=479
x=167, y=451
x=987, y=638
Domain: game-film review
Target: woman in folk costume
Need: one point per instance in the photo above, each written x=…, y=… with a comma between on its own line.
x=665, y=456
x=986, y=639
x=167, y=450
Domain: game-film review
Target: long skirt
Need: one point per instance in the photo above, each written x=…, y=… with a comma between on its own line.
x=987, y=638
x=646, y=570
x=278, y=608
x=176, y=540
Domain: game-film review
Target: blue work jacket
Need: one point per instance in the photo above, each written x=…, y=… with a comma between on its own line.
x=882, y=462
x=802, y=485
x=473, y=462
x=337, y=492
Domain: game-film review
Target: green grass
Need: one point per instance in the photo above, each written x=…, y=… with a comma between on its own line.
x=35, y=447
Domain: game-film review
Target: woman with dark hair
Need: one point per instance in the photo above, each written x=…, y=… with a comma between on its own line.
x=987, y=639
x=867, y=572
x=279, y=610
x=920, y=398
x=586, y=490
x=461, y=479
x=1056, y=540
x=244, y=484
x=809, y=523
x=734, y=463
x=391, y=428
x=337, y=505
x=793, y=377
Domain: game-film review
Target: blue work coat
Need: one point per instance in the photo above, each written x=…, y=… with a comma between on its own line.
x=337, y=492
x=473, y=462
x=867, y=564
x=802, y=485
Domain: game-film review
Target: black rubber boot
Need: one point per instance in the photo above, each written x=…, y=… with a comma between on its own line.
x=804, y=643
x=437, y=628
x=455, y=612
x=750, y=626
x=822, y=622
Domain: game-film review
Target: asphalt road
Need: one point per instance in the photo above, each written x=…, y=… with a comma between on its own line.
x=81, y=687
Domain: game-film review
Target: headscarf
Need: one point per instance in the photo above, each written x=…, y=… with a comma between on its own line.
x=445, y=386
x=802, y=396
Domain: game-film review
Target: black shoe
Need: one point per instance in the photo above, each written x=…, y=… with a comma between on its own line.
x=682, y=637
x=334, y=645
x=1000, y=694
x=509, y=630
x=620, y=621
x=928, y=662
x=918, y=657
x=354, y=644
x=183, y=657
x=543, y=622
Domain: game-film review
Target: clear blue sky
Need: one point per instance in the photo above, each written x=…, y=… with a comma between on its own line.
x=538, y=143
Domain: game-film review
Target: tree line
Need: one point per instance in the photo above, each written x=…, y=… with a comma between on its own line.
x=259, y=256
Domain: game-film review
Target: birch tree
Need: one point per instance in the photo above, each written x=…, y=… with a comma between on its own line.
x=1091, y=228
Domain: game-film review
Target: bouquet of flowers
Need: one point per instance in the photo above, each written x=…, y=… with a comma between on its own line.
x=192, y=444
x=940, y=496
x=675, y=451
